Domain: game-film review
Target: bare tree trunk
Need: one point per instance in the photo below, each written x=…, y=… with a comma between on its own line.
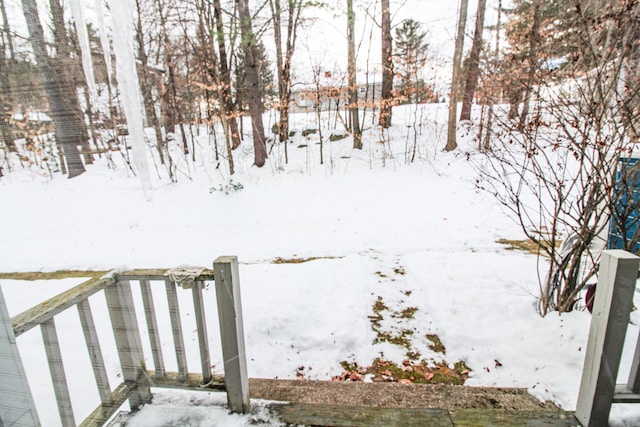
x=146, y=85
x=492, y=100
x=5, y=103
x=65, y=61
x=205, y=20
x=457, y=59
x=353, y=82
x=386, y=96
x=284, y=62
x=533, y=52
x=69, y=132
x=254, y=97
x=225, y=78
x=474, y=63
x=7, y=31
x=176, y=113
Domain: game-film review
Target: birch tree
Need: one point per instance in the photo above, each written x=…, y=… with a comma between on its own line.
x=453, y=97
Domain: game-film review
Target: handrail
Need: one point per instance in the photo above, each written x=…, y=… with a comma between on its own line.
x=137, y=380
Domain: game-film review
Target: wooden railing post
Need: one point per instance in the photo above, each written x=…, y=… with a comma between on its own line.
x=17, y=407
x=232, y=332
x=612, y=306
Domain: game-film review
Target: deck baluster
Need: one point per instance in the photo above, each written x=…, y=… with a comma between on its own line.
x=56, y=368
x=198, y=306
x=95, y=353
x=176, y=329
x=127, y=336
x=152, y=328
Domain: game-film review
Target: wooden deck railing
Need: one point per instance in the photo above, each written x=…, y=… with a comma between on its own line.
x=612, y=306
x=16, y=402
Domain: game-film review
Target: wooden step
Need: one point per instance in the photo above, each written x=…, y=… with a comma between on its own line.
x=351, y=416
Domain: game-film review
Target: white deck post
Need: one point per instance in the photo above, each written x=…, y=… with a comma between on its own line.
x=232, y=333
x=611, y=309
x=17, y=407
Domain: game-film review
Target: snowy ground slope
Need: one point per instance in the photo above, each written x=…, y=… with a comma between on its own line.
x=415, y=234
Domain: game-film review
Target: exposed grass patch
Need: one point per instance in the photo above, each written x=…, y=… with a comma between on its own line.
x=402, y=338
x=407, y=313
x=280, y=260
x=525, y=245
x=400, y=270
x=436, y=345
x=407, y=372
x=375, y=319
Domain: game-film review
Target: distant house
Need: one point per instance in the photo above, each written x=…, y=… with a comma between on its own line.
x=31, y=116
x=332, y=95
x=30, y=122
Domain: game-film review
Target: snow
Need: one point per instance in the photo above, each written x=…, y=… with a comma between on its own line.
x=379, y=226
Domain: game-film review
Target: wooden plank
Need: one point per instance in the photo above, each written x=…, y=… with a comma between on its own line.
x=191, y=382
x=623, y=395
x=610, y=318
x=356, y=416
x=137, y=274
x=158, y=274
x=232, y=333
x=203, y=337
x=52, y=275
x=176, y=327
x=17, y=407
x=152, y=327
x=49, y=308
x=127, y=336
x=58, y=377
x=95, y=353
x=503, y=418
x=102, y=413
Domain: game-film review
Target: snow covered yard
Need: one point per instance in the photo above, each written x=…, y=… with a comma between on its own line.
x=370, y=225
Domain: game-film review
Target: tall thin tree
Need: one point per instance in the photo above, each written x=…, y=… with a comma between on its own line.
x=65, y=119
x=386, y=95
x=457, y=59
x=252, y=76
x=353, y=81
x=474, y=63
x=225, y=78
x=5, y=100
x=73, y=78
x=283, y=61
x=147, y=84
x=7, y=31
x=532, y=61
